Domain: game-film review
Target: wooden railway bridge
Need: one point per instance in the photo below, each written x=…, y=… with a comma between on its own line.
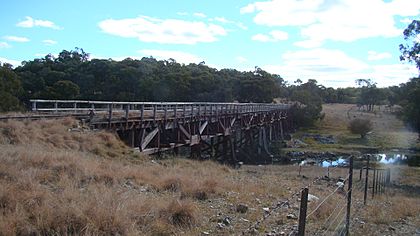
x=217, y=131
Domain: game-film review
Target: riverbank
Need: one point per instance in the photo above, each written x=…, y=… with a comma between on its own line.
x=331, y=135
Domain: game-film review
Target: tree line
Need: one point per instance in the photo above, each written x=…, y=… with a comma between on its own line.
x=72, y=75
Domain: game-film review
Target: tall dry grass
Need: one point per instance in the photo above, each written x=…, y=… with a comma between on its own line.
x=56, y=181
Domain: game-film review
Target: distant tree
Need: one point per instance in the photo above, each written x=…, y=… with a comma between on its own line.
x=411, y=90
x=309, y=95
x=370, y=95
x=10, y=89
x=411, y=104
x=65, y=89
x=360, y=127
x=411, y=50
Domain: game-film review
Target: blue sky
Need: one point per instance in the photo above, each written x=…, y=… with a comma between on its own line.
x=332, y=41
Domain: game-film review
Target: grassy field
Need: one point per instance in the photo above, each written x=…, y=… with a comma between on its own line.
x=388, y=132
x=57, y=178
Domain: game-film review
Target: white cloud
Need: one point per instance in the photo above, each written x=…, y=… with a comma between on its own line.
x=241, y=59
x=279, y=35
x=167, y=31
x=30, y=22
x=337, y=69
x=4, y=45
x=223, y=20
x=283, y=12
x=273, y=36
x=346, y=20
x=406, y=21
x=308, y=43
x=374, y=56
x=261, y=38
x=241, y=25
x=199, y=14
x=393, y=74
x=49, y=42
x=14, y=63
x=16, y=39
x=181, y=57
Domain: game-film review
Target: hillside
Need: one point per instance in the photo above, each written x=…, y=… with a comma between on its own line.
x=59, y=178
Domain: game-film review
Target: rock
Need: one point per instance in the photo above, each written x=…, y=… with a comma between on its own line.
x=241, y=208
x=254, y=232
x=220, y=225
x=266, y=210
x=340, y=184
x=312, y=198
x=291, y=216
x=205, y=233
x=279, y=222
x=226, y=221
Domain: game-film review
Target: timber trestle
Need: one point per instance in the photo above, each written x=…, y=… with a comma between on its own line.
x=218, y=131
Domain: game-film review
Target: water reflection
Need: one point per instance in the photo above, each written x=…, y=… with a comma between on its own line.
x=338, y=162
x=390, y=158
x=342, y=161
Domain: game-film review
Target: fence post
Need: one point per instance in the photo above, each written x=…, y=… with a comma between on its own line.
x=383, y=181
x=109, y=115
x=373, y=182
x=349, y=191
x=302, y=211
x=366, y=181
x=388, y=176
x=328, y=172
x=380, y=181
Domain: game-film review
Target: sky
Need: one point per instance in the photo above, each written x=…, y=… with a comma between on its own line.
x=332, y=41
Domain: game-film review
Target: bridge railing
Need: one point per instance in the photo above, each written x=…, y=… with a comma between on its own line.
x=148, y=110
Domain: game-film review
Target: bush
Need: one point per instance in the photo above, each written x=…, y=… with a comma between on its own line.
x=360, y=126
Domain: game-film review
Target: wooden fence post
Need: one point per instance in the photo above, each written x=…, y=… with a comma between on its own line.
x=302, y=211
x=366, y=181
x=373, y=182
x=349, y=191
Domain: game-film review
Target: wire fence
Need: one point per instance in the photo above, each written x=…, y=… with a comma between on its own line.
x=337, y=220
x=331, y=214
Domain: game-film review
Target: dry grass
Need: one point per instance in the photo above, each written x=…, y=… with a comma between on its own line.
x=56, y=181
x=388, y=131
x=64, y=134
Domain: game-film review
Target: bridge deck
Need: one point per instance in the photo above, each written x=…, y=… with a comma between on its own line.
x=157, y=126
x=118, y=111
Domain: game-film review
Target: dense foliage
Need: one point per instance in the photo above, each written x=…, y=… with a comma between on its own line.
x=10, y=89
x=360, y=126
x=411, y=90
x=72, y=75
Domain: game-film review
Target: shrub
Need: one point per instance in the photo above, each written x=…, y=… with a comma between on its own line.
x=360, y=126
